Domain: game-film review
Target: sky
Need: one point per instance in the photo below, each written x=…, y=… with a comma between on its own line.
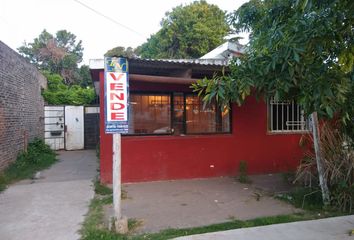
x=126, y=23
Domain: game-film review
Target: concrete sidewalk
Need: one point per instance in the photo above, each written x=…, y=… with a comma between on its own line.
x=52, y=207
x=200, y=202
x=324, y=229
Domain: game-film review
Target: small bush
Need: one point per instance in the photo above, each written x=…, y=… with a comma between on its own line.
x=38, y=156
x=243, y=169
x=338, y=163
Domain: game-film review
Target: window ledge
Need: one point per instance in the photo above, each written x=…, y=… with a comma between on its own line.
x=288, y=132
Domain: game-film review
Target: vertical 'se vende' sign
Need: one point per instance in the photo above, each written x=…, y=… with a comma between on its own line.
x=116, y=89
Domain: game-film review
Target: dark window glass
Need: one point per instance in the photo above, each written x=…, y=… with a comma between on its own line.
x=150, y=114
x=178, y=113
x=186, y=114
x=205, y=119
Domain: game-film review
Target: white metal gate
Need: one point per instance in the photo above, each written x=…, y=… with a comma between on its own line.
x=64, y=127
x=74, y=132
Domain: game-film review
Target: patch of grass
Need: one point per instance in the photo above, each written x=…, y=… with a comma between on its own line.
x=103, y=190
x=133, y=224
x=38, y=157
x=93, y=225
x=234, y=224
x=305, y=198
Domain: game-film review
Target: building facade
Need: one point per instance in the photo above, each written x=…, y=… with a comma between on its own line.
x=173, y=136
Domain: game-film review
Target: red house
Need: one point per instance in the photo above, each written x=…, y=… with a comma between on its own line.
x=172, y=136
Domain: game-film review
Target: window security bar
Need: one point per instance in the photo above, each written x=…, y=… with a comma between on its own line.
x=295, y=123
x=286, y=116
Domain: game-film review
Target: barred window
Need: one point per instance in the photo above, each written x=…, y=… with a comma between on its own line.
x=286, y=116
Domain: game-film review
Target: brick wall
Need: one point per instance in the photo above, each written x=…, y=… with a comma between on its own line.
x=21, y=104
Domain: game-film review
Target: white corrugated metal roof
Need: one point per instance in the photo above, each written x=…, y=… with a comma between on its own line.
x=99, y=63
x=220, y=56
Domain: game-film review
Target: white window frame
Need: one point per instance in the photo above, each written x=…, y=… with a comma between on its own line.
x=296, y=122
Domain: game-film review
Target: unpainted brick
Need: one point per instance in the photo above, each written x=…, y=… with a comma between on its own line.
x=21, y=104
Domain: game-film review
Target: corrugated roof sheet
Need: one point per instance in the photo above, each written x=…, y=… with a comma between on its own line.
x=99, y=63
x=216, y=62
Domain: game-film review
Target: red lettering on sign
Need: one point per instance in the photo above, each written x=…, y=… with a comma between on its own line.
x=117, y=116
x=116, y=86
x=119, y=96
x=116, y=96
x=117, y=106
x=116, y=78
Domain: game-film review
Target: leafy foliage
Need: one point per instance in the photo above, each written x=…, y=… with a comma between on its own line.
x=58, y=57
x=86, y=79
x=187, y=32
x=299, y=50
x=58, y=54
x=121, y=52
x=59, y=93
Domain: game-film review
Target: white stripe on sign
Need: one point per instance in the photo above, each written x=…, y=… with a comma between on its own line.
x=117, y=97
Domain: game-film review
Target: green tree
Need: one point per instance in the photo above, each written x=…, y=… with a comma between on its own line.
x=58, y=54
x=120, y=52
x=187, y=32
x=59, y=93
x=300, y=50
x=85, y=76
x=58, y=57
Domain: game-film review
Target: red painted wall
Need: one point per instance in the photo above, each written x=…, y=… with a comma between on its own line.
x=151, y=158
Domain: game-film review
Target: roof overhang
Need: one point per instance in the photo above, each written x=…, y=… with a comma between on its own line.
x=206, y=63
x=173, y=68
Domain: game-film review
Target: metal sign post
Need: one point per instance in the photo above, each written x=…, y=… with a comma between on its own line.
x=116, y=89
